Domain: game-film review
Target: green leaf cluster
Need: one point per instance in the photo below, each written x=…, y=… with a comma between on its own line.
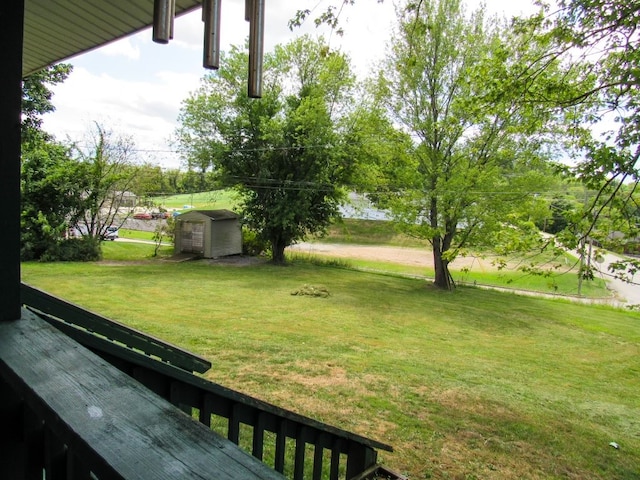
x=285, y=153
x=458, y=85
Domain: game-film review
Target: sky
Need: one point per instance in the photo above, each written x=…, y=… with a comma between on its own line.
x=135, y=87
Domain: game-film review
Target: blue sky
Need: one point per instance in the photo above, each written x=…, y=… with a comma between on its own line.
x=135, y=87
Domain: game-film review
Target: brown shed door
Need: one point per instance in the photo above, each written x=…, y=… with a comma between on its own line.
x=192, y=234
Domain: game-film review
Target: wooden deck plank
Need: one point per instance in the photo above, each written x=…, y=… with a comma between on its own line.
x=96, y=408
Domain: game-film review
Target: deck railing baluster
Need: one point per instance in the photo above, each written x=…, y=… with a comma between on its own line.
x=334, y=471
x=281, y=445
x=318, y=457
x=301, y=445
x=257, y=449
x=360, y=458
x=206, y=410
x=55, y=456
x=34, y=444
x=233, y=433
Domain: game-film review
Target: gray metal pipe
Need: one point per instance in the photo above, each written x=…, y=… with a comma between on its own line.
x=162, y=19
x=256, y=48
x=211, y=17
x=173, y=17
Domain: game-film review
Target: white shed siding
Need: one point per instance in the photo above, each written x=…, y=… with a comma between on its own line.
x=225, y=238
x=211, y=233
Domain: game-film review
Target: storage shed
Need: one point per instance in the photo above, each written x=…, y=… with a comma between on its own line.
x=210, y=233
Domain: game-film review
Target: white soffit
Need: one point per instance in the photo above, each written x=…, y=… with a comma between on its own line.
x=58, y=29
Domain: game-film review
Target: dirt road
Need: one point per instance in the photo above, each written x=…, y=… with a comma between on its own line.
x=626, y=294
x=402, y=255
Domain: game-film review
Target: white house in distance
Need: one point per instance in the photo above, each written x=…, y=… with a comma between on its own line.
x=209, y=233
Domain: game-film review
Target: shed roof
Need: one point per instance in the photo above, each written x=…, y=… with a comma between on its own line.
x=56, y=30
x=216, y=214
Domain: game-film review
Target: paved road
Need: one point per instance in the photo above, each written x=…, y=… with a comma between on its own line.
x=627, y=294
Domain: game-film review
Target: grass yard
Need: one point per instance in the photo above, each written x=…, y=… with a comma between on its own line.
x=369, y=232
x=216, y=199
x=557, y=282
x=471, y=384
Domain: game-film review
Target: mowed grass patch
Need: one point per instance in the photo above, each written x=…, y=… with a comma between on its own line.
x=133, y=251
x=554, y=284
x=369, y=232
x=215, y=199
x=135, y=234
x=464, y=384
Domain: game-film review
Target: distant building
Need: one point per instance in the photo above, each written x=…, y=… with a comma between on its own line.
x=210, y=233
x=118, y=199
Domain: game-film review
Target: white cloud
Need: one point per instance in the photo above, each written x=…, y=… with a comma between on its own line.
x=122, y=48
x=146, y=110
x=139, y=89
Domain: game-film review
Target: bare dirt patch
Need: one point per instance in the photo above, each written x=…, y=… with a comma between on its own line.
x=401, y=255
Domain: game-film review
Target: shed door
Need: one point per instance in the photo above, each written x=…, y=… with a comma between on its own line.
x=192, y=236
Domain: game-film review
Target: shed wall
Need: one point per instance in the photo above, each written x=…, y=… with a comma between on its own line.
x=225, y=238
x=222, y=237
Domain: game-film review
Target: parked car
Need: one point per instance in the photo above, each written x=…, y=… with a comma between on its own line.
x=159, y=215
x=142, y=216
x=110, y=234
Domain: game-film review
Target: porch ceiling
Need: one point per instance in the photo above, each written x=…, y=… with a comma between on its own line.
x=58, y=29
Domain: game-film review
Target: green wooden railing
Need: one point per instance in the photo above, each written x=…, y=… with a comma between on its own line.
x=66, y=413
x=295, y=445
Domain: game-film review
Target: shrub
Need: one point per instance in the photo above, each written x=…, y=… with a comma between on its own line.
x=83, y=249
x=252, y=244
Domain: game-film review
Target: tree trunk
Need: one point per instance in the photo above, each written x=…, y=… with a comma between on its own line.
x=277, y=251
x=442, y=276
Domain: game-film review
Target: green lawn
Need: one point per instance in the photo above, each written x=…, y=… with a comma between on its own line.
x=135, y=234
x=369, y=232
x=465, y=384
x=217, y=199
x=564, y=283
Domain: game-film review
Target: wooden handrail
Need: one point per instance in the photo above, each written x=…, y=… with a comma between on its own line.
x=349, y=453
x=66, y=413
x=115, y=331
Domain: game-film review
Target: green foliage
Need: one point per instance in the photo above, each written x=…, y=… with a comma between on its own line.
x=477, y=162
x=165, y=230
x=252, y=244
x=83, y=249
x=50, y=191
x=105, y=175
x=598, y=44
x=283, y=153
x=36, y=101
x=150, y=180
x=49, y=198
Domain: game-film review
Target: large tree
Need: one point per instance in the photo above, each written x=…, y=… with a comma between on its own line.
x=105, y=173
x=49, y=188
x=284, y=153
x=600, y=38
x=477, y=155
x=50, y=194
